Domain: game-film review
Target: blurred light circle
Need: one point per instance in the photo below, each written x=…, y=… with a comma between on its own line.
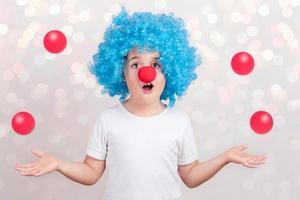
x=212, y=18
x=196, y=35
x=68, y=8
x=30, y=11
x=263, y=10
x=287, y=12
x=160, y=4
x=242, y=38
x=8, y=75
x=60, y=93
x=23, y=76
x=39, y=59
x=79, y=95
x=78, y=37
x=3, y=130
x=248, y=184
x=68, y=50
x=22, y=2
x=210, y=144
x=292, y=77
x=217, y=38
x=236, y=17
x=67, y=29
x=18, y=68
x=258, y=93
x=278, y=60
x=76, y=67
x=84, y=16
x=54, y=9
x=294, y=3
x=108, y=17
x=115, y=8
x=268, y=54
x=3, y=29
x=252, y=31
x=208, y=84
x=206, y=9
x=72, y=18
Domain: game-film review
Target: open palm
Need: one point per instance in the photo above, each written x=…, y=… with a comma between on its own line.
x=236, y=155
x=45, y=164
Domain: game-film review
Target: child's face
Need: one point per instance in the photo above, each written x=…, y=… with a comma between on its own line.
x=134, y=62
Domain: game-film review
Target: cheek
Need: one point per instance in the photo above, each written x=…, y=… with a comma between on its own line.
x=131, y=79
x=161, y=81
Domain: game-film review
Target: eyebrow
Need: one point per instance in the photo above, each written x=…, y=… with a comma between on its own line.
x=155, y=58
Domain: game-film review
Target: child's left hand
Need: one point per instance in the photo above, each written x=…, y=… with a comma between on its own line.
x=236, y=155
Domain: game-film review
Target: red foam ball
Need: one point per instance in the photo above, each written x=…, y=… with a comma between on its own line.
x=23, y=123
x=242, y=63
x=147, y=74
x=261, y=122
x=55, y=41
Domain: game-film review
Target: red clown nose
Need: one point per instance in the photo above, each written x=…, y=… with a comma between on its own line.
x=147, y=74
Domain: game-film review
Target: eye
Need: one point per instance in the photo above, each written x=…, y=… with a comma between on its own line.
x=157, y=65
x=135, y=65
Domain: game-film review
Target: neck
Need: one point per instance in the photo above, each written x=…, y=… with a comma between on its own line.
x=144, y=109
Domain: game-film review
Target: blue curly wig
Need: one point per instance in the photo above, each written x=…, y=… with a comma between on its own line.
x=146, y=31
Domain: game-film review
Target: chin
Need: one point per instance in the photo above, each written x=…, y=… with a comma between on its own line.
x=150, y=98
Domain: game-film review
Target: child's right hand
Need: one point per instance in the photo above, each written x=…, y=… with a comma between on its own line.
x=44, y=165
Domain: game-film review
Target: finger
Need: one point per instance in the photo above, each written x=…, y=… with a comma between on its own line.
x=27, y=169
x=255, y=162
x=37, y=152
x=253, y=157
x=29, y=172
x=24, y=168
x=262, y=157
x=246, y=163
x=27, y=165
x=242, y=147
x=257, y=158
x=39, y=173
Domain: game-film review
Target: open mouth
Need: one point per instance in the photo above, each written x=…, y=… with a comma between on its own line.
x=148, y=87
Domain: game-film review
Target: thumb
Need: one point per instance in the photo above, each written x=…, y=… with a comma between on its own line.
x=37, y=152
x=242, y=147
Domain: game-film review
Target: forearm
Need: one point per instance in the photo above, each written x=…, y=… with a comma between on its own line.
x=77, y=171
x=201, y=172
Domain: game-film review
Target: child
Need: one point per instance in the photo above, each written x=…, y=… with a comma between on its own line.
x=145, y=145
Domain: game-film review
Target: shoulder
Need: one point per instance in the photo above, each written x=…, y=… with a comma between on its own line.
x=179, y=116
x=178, y=112
x=110, y=112
x=105, y=116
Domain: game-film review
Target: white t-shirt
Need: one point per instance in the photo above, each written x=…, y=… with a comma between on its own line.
x=143, y=153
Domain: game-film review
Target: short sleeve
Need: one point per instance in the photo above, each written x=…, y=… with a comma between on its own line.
x=188, y=151
x=97, y=143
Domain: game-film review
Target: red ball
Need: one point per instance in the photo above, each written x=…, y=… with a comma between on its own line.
x=261, y=122
x=242, y=63
x=23, y=123
x=55, y=41
x=147, y=74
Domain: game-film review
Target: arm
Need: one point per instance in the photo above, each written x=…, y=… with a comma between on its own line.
x=87, y=172
x=197, y=173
